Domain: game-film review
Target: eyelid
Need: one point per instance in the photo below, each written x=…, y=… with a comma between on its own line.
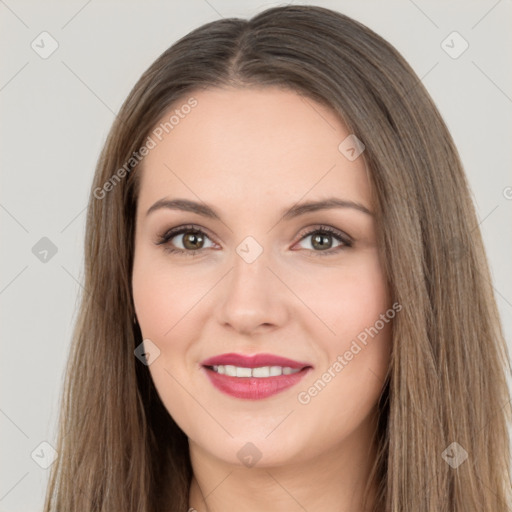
x=178, y=230
x=169, y=234
x=335, y=232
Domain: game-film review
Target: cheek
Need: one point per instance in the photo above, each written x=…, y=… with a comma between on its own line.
x=357, y=308
x=348, y=299
x=152, y=300
x=163, y=295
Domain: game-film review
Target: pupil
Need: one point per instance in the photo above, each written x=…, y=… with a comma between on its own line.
x=192, y=239
x=321, y=241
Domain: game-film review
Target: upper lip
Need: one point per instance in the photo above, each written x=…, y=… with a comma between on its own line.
x=253, y=361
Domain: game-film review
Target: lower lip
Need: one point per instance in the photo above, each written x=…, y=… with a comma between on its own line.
x=254, y=388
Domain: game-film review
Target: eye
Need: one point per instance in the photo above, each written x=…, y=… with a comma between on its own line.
x=321, y=240
x=192, y=240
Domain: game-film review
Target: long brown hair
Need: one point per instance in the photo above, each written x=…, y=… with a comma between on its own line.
x=119, y=449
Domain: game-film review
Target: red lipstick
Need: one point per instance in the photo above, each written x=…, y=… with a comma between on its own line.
x=253, y=361
x=248, y=386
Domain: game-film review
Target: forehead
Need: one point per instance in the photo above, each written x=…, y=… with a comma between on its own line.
x=247, y=144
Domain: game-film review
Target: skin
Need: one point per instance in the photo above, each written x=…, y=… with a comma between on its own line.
x=250, y=153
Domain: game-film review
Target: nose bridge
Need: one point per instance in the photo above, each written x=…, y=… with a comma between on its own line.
x=250, y=263
x=251, y=296
x=250, y=250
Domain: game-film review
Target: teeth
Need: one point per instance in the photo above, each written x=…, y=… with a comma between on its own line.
x=276, y=370
x=261, y=372
x=242, y=372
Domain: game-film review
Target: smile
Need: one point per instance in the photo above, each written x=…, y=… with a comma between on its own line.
x=255, y=376
x=262, y=372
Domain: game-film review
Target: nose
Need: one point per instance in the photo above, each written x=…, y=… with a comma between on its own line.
x=252, y=297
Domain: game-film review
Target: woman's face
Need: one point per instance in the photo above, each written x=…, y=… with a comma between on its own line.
x=248, y=278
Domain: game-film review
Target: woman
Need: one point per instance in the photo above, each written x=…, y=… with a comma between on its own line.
x=333, y=342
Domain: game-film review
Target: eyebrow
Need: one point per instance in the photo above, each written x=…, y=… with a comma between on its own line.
x=296, y=210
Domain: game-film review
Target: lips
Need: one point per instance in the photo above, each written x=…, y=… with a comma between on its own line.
x=252, y=387
x=254, y=361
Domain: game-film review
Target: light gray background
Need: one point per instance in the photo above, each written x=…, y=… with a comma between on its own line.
x=56, y=113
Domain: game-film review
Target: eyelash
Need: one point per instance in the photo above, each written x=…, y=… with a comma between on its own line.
x=164, y=239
